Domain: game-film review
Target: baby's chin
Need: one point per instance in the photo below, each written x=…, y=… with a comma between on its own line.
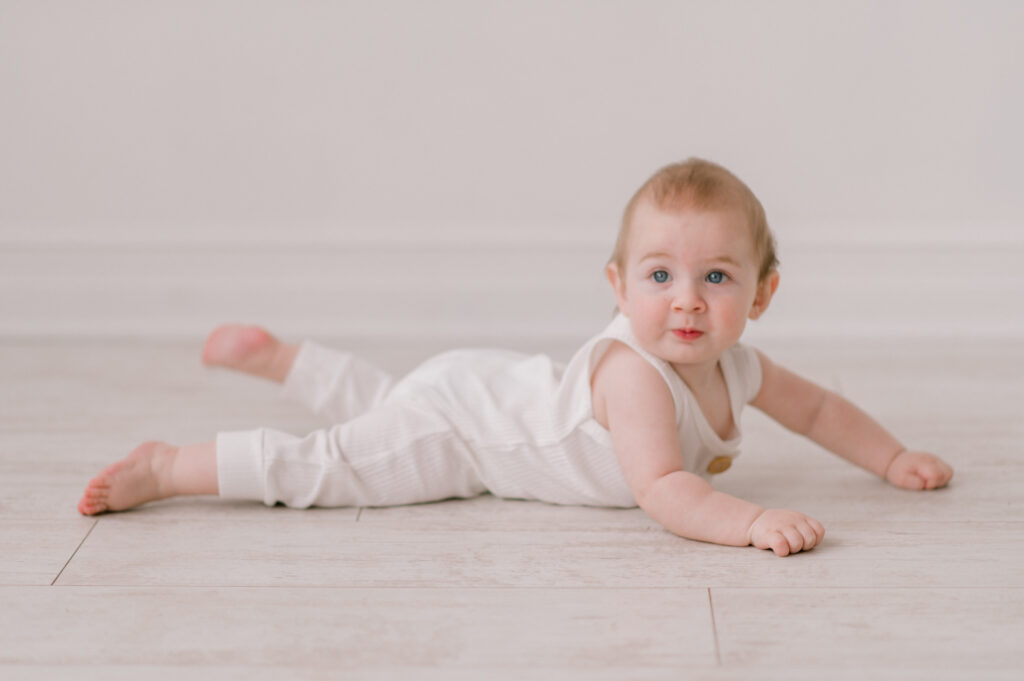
x=687, y=350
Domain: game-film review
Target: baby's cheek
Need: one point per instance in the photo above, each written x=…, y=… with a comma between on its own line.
x=647, y=319
x=653, y=306
x=735, y=316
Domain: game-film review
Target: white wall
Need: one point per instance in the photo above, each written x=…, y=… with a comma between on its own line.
x=231, y=122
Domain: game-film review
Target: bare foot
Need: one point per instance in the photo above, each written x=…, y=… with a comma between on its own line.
x=144, y=475
x=249, y=349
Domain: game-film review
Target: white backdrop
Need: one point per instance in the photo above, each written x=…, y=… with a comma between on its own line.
x=238, y=124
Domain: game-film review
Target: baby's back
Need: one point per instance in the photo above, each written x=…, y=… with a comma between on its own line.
x=523, y=419
x=496, y=397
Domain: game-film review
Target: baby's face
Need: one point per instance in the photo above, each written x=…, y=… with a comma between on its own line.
x=690, y=282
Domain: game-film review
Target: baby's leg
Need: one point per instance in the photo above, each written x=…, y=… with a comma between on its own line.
x=337, y=385
x=154, y=470
x=251, y=350
x=399, y=453
x=334, y=384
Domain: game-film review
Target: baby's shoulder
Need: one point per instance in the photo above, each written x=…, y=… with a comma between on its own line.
x=622, y=372
x=620, y=362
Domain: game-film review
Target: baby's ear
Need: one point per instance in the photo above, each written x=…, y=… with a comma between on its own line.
x=765, y=290
x=618, y=284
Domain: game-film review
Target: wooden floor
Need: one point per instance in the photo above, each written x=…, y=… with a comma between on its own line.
x=907, y=585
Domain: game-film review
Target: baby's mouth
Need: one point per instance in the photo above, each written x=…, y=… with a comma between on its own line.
x=687, y=334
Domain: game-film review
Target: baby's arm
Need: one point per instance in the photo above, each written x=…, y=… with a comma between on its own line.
x=641, y=419
x=839, y=426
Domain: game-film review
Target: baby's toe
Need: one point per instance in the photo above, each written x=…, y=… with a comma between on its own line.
x=91, y=506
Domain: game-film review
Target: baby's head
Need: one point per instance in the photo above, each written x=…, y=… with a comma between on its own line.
x=693, y=262
x=699, y=185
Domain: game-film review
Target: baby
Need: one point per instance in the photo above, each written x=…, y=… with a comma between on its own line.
x=643, y=414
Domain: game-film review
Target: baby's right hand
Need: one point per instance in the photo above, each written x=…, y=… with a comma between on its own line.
x=785, y=532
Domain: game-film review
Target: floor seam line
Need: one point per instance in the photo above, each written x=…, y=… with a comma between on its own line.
x=75, y=552
x=714, y=629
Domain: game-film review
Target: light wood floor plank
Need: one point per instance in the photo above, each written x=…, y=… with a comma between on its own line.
x=33, y=551
x=39, y=526
x=839, y=492
x=578, y=631
x=296, y=672
x=515, y=544
x=971, y=630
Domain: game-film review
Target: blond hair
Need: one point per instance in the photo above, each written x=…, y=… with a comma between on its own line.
x=700, y=185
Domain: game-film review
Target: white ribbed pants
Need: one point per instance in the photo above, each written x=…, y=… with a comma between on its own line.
x=389, y=447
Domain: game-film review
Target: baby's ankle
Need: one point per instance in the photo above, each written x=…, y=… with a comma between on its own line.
x=163, y=465
x=282, y=361
x=192, y=469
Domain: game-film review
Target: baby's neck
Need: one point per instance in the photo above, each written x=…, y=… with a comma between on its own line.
x=699, y=378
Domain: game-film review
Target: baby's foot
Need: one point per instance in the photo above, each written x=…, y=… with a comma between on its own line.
x=249, y=349
x=144, y=475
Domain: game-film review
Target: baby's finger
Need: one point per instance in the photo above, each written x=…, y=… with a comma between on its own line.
x=819, y=529
x=911, y=480
x=779, y=544
x=941, y=477
x=810, y=537
x=945, y=474
x=795, y=539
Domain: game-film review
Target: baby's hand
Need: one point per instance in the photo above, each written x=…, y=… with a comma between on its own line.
x=918, y=470
x=785, y=532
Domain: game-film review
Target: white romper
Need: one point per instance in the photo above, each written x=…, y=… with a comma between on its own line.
x=461, y=424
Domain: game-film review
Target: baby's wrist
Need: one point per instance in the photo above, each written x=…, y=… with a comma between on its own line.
x=900, y=452
x=750, y=527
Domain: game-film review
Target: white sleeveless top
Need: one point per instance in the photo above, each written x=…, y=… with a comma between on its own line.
x=530, y=421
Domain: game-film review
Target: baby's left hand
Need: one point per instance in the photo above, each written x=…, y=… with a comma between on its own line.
x=918, y=470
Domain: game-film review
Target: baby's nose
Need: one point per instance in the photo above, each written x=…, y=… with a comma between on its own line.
x=687, y=298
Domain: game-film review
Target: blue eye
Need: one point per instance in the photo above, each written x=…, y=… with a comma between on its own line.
x=660, y=276
x=716, y=277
